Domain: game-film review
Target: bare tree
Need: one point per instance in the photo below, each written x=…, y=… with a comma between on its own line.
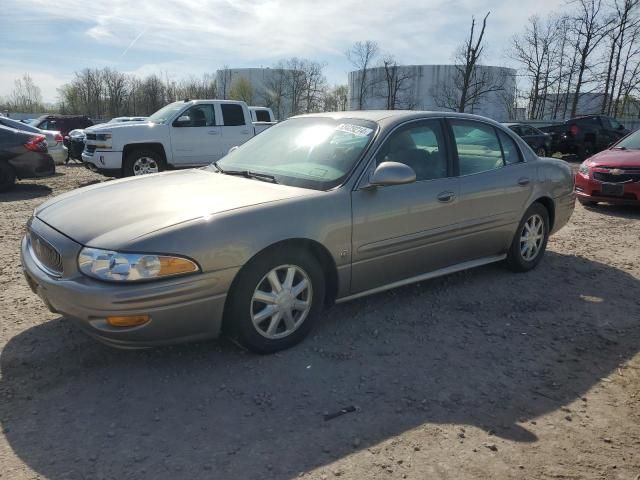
x=242, y=89
x=590, y=28
x=315, y=85
x=116, y=88
x=535, y=51
x=26, y=96
x=225, y=82
x=396, y=84
x=336, y=99
x=472, y=82
x=274, y=94
x=361, y=55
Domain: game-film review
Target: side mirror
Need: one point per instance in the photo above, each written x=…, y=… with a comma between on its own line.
x=392, y=173
x=183, y=121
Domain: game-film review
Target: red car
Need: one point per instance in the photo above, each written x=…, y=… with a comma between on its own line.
x=613, y=175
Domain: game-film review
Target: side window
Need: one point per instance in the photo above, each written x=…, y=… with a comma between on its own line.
x=516, y=129
x=528, y=131
x=478, y=147
x=232, y=114
x=262, y=116
x=196, y=116
x=420, y=146
x=509, y=149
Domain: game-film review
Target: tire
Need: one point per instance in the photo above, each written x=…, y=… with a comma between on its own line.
x=271, y=332
x=7, y=177
x=142, y=161
x=516, y=259
x=541, y=152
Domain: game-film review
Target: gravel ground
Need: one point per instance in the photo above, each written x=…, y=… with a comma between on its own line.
x=482, y=374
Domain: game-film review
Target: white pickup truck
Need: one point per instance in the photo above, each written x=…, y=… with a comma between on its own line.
x=183, y=134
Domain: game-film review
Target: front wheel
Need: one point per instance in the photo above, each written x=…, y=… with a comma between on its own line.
x=530, y=241
x=275, y=301
x=143, y=162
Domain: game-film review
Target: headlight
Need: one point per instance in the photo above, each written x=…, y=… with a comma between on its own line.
x=131, y=267
x=103, y=140
x=584, y=169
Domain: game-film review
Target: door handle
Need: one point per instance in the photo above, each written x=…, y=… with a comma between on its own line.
x=446, y=196
x=212, y=132
x=524, y=181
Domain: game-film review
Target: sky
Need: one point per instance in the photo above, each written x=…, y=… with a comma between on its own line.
x=176, y=38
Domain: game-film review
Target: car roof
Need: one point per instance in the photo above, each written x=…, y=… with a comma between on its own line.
x=393, y=117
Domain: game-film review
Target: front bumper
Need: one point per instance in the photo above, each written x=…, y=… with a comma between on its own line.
x=181, y=309
x=107, y=162
x=590, y=190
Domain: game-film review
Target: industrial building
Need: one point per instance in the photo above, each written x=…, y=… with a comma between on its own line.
x=432, y=87
x=267, y=87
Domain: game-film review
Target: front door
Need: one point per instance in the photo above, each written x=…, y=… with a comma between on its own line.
x=195, y=138
x=403, y=231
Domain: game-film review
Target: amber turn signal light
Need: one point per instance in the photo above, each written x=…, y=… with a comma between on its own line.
x=128, y=321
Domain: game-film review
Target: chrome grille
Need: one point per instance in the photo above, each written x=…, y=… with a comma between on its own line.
x=91, y=136
x=625, y=176
x=90, y=149
x=45, y=255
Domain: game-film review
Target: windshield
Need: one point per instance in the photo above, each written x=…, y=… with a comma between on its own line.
x=316, y=153
x=631, y=142
x=166, y=112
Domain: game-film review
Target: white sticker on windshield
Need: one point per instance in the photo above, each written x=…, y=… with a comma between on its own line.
x=354, y=129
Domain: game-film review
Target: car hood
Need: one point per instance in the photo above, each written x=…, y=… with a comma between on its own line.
x=616, y=158
x=113, y=213
x=109, y=127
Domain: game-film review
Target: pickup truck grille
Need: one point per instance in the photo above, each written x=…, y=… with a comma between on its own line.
x=91, y=136
x=626, y=175
x=90, y=149
x=45, y=255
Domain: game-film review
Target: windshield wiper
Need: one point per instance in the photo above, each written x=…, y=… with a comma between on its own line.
x=265, y=177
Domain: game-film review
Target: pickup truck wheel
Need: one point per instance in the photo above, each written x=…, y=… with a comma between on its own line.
x=275, y=301
x=7, y=177
x=143, y=162
x=530, y=241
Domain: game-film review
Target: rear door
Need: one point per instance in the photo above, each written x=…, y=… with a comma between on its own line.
x=495, y=186
x=402, y=231
x=235, y=126
x=195, y=136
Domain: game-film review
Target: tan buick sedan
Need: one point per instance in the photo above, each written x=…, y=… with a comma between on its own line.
x=318, y=209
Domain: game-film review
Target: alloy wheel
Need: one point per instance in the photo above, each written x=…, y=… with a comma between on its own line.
x=281, y=301
x=532, y=237
x=145, y=166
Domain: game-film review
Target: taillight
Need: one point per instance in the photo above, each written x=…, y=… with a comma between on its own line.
x=58, y=138
x=37, y=144
x=573, y=130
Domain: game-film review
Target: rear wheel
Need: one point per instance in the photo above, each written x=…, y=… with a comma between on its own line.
x=143, y=162
x=7, y=177
x=276, y=301
x=530, y=241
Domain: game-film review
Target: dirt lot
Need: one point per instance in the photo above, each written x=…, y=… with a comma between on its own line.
x=483, y=374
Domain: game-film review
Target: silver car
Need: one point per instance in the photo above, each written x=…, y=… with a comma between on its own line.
x=55, y=142
x=320, y=208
